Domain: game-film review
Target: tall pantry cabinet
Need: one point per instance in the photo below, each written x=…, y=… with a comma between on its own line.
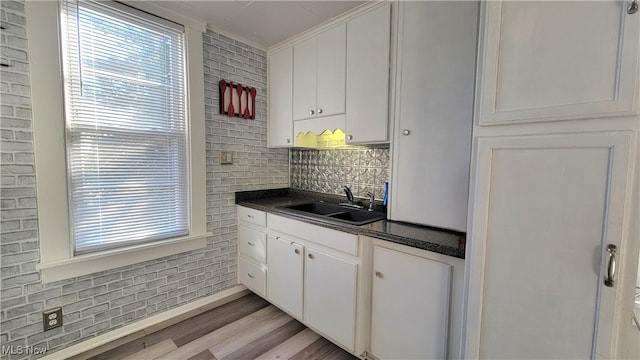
x=433, y=111
x=553, y=240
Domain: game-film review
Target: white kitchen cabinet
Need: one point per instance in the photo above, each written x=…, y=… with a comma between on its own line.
x=321, y=290
x=434, y=113
x=410, y=306
x=368, y=38
x=252, y=242
x=281, y=98
x=252, y=234
x=319, y=71
x=546, y=210
x=548, y=61
x=330, y=296
x=285, y=277
x=252, y=275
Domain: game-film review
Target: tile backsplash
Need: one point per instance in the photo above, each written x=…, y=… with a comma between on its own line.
x=362, y=169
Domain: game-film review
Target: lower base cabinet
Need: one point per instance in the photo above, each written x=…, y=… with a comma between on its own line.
x=313, y=276
x=373, y=298
x=252, y=234
x=410, y=306
x=285, y=276
x=252, y=275
x=330, y=296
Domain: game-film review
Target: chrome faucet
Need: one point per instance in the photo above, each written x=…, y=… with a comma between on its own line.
x=350, y=200
x=372, y=198
x=347, y=191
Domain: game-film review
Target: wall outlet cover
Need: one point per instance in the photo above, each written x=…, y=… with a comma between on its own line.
x=226, y=157
x=52, y=318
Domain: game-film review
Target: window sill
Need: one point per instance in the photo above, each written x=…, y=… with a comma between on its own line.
x=106, y=260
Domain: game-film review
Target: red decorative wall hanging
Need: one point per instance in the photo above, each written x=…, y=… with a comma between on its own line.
x=237, y=100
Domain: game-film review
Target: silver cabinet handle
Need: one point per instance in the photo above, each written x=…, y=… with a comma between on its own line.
x=251, y=276
x=250, y=216
x=349, y=137
x=379, y=275
x=319, y=111
x=311, y=256
x=250, y=243
x=311, y=112
x=633, y=7
x=611, y=266
x=296, y=251
x=406, y=132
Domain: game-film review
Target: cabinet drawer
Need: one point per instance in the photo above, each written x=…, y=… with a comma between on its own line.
x=253, y=216
x=252, y=243
x=334, y=239
x=252, y=276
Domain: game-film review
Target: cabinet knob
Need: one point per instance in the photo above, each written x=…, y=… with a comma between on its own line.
x=319, y=111
x=349, y=137
x=296, y=251
x=311, y=112
x=288, y=141
x=251, y=276
x=250, y=216
x=250, y=243
x=406, y=132
x=311, y=256
x=379, y=275
x=633, y=7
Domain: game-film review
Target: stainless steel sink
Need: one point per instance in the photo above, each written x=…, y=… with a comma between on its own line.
x=330, y=212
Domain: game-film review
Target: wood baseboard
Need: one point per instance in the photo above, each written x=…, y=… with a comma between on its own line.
x=119, y=336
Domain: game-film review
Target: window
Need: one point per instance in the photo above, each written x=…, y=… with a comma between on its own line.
x=119, y=137
x=125, y=126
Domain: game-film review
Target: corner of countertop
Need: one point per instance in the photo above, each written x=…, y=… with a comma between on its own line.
x=261, y=194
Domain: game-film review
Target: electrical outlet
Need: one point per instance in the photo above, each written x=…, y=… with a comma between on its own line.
x=52, y=318
x=226, y=157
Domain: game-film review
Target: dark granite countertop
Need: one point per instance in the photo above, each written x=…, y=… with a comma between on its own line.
x=437, y=240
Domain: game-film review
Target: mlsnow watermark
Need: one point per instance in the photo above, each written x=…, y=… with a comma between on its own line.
x=23, y=350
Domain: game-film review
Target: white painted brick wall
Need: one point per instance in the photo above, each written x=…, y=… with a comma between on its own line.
x=98, y=303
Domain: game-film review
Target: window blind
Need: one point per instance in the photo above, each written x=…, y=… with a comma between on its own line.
x=126, y=127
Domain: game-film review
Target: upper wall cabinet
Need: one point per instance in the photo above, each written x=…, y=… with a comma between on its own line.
x=535, y=64
x=434, y=112
x=319, y=74
x=281, y=98
x=368, y=37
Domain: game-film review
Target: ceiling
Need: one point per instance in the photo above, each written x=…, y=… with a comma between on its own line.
x=260, y=22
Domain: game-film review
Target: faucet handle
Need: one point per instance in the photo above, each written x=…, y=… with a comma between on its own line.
x=349, y=194
x=372, y=199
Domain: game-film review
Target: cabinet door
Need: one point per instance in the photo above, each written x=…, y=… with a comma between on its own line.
x=546, y=209
x=304, y=79
x=553, y=60
x=281, y=98
x=332, y=58
x=284, y=278
x=410, y=306
x=368, y=37
x=330, y=296
x=432, y=146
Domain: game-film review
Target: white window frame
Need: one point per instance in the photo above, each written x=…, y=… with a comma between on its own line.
x=57, y=260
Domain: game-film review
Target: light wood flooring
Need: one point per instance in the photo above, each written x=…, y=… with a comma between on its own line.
x=246, y=328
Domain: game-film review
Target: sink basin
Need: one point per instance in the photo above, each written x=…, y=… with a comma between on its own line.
x=318, y=208
x=330, y=212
